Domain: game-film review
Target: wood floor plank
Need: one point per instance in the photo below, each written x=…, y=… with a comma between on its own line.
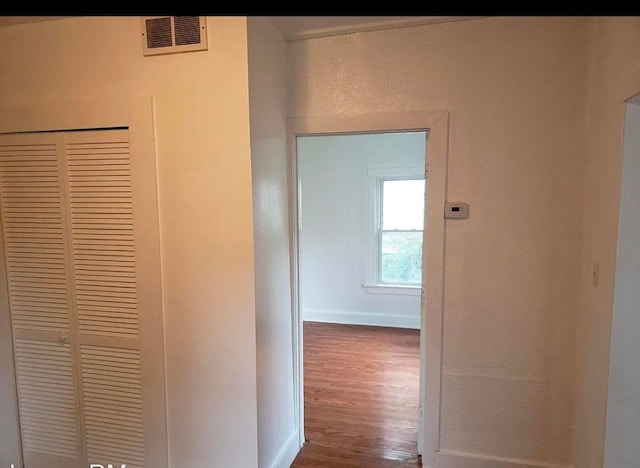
x=361, y=397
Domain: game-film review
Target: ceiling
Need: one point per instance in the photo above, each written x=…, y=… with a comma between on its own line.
x=302, y=27
x=12, y=20
x=305, y=27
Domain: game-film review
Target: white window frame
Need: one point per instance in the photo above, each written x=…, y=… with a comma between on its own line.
x=376, y=176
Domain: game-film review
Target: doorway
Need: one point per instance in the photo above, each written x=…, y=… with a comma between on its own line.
x=623, y=424
x=436, y=124
x=361, y=229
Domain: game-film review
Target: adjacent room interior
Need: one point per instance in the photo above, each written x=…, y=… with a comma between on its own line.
x=361, y=216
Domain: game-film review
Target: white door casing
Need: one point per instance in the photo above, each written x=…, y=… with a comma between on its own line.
x=81, y=251
x=436, y=124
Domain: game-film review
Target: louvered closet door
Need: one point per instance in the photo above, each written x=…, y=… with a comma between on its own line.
x=37, y=261
x=76, y=265
x=105, y=295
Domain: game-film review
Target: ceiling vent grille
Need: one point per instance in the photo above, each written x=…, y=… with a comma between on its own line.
x=173, y=34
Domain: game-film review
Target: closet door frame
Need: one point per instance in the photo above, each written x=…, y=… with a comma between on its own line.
x=136, y=115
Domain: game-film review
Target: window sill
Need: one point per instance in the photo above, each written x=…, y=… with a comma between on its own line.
x=393, y=289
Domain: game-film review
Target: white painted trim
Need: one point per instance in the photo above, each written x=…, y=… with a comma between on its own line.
x=433, y=285
x=296, y=315
x=364, y=123
x=361, y=318
x=469, y=460
x=392, y=289
x=149, y=281
x=437, y=124
x=288, y=452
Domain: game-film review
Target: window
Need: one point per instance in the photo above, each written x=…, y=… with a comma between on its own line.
x=397, y=205
x=400, y=245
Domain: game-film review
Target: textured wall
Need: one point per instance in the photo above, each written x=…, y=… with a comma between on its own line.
x=515, y=88
x=204, y=182
x=615, y=77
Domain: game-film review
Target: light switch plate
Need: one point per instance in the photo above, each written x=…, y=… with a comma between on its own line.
x=456, y=210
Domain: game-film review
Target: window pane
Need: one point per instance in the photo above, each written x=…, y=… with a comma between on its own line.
x=402, y=204
x=401, y=257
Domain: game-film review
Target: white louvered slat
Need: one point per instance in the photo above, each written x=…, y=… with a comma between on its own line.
x=99, y=175
x=112, y=393
x=33, y=236
x=46, y=398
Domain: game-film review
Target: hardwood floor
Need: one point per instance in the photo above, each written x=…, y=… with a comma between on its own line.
x=361, y=397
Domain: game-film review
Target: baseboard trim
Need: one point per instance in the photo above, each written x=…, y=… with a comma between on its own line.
x=469, y=460
x=361, y=318
x=288, y=453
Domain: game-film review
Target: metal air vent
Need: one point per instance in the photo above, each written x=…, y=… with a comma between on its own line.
x=173, y=34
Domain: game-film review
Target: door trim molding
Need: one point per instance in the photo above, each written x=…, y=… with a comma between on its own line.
x=470, y=460
x=436, y=123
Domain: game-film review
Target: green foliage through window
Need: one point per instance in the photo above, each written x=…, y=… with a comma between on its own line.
x=401, y=257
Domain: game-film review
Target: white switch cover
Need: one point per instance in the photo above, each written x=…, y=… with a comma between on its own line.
x=456, y=210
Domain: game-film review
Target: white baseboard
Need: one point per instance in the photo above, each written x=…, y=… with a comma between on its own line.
x=361, y=318
x=469, y=460
x=288, y=453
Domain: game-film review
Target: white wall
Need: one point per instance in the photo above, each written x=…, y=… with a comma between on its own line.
x=205, y=204
x=515, y=88
x=334, y=242
x=614, y=78
x=277, y=435
x=623, y=408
